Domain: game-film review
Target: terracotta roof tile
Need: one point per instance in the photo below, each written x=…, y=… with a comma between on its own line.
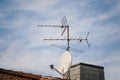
x=18, y=75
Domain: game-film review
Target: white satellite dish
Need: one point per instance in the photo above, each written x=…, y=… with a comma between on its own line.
x=64, y=62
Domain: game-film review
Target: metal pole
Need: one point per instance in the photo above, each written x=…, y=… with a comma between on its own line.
x=68, y=39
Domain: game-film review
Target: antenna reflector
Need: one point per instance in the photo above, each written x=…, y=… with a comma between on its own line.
x=65, y=62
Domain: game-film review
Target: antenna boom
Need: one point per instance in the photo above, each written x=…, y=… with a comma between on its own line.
x=49, y=26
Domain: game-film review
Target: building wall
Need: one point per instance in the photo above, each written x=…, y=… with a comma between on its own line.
x=75, y=73
x=84, y=71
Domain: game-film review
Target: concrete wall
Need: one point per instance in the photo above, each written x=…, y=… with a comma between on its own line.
x=75, y=73
x=86, y=72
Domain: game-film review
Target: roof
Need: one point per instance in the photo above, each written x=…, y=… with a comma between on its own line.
x=91, y=65
x=18, y=75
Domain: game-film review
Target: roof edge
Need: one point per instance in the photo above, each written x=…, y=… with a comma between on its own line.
x=87, y=65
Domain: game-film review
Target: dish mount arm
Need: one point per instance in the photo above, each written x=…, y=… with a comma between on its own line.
x=54, y=69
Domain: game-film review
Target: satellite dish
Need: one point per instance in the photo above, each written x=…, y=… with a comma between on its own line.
x=64, y=62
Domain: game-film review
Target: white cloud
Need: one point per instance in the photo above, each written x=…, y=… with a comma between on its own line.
x=28, y=52
x=30, y=5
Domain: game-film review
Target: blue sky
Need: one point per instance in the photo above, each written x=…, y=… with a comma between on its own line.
x=21, y=41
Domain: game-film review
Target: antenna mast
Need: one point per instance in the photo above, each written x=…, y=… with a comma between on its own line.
x=68, y=39
x=66, y=28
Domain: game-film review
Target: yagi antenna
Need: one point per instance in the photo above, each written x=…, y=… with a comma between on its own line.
x=66, y=28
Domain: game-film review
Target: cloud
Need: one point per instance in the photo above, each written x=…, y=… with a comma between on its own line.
x=22, y=42
x=29, y=5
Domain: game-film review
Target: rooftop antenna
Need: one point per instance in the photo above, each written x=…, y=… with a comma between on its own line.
x=66, y=28
x=66, y=59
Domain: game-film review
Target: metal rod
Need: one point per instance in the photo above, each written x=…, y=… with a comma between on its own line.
x=53, y=68
x=68, y=39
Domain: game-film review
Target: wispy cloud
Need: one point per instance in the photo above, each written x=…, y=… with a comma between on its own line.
x=22, y=42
